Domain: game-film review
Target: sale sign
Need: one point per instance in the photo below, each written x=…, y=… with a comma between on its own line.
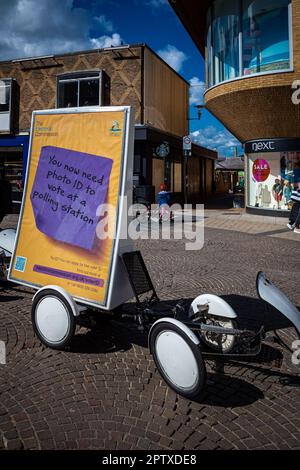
x=76, y=165
x=260, y=170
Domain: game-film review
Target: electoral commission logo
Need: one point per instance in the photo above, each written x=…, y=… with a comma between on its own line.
x=41, y=130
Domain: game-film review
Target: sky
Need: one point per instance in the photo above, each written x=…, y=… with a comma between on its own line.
x=39, y=27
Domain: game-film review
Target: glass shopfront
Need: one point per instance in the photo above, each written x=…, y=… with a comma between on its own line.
x=273, y=170
x=246, y=37
x=225, y=41
x=13, y=161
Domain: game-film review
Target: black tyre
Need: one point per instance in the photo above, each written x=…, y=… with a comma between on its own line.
x=53, y=319
x=178, y=359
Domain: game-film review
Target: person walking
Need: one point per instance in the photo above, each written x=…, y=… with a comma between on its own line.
x=294, y=221
x=5, y=195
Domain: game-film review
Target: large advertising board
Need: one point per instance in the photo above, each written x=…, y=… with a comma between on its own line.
x=78, y=161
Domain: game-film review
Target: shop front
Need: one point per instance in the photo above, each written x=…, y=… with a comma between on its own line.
x=273, y=170
x=158, y=158
x=13, y=160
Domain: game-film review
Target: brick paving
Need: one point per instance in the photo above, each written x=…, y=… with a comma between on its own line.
x=104, y=391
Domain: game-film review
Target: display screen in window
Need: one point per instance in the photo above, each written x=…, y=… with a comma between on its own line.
x=271, y=179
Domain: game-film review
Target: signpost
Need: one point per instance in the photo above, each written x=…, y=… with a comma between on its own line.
x=187, y=146
x=187, y=152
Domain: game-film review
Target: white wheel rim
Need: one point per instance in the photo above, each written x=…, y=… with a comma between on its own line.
x=52, y=319
x=226, y=340
x=177, y=359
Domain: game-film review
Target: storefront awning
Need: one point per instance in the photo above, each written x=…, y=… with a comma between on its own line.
x=230, y=164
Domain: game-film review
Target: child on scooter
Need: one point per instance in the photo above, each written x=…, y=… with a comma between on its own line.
x=164, y=199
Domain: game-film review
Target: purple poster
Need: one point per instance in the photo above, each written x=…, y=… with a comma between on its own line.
x=68, y=188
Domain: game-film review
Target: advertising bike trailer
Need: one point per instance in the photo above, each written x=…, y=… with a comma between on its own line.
x=81, y=161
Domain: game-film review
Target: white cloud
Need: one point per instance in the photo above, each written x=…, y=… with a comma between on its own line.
x=197, y=89
x=173, y=56
x=220, y=140
x=104, y=23
x=38, y=27
x=106, y=41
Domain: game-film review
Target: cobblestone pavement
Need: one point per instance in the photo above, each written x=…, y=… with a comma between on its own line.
x=105, y=393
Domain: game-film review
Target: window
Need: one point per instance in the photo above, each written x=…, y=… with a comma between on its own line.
x=67, y=94
x=265, y=36
x=5, y=104
x=225, y=40
x=83, y=89
x=246, y=37
x=89, y=92
x=12, y=160
x=208, y=59
x=271, y=178
x=5, y=87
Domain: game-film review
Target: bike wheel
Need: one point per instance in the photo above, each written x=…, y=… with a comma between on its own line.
x=178, y=360
x=221, y=343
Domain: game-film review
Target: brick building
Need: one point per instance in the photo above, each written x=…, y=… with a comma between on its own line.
x=125, y=75
x=252, y=56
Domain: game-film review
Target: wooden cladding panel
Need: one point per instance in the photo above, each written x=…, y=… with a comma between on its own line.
x=158, y=173
x=165, y=97
x=177, y=177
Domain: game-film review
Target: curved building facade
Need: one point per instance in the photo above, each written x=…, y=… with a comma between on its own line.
x=252, y=59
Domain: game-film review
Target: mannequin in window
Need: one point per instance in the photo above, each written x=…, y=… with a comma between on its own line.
x=277, y=191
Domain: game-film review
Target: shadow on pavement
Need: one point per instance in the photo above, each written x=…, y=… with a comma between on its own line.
x=10, y=298
x=103, y=334
x=253, y=313
x=220, y=201
x=229, y=392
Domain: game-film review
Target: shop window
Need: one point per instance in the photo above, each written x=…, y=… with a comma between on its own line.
x=83, y=89
x=169, y=177
x=137, y=164
x=265, y=36
x=271, y=178
x=5, y=104
x=12, y=162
